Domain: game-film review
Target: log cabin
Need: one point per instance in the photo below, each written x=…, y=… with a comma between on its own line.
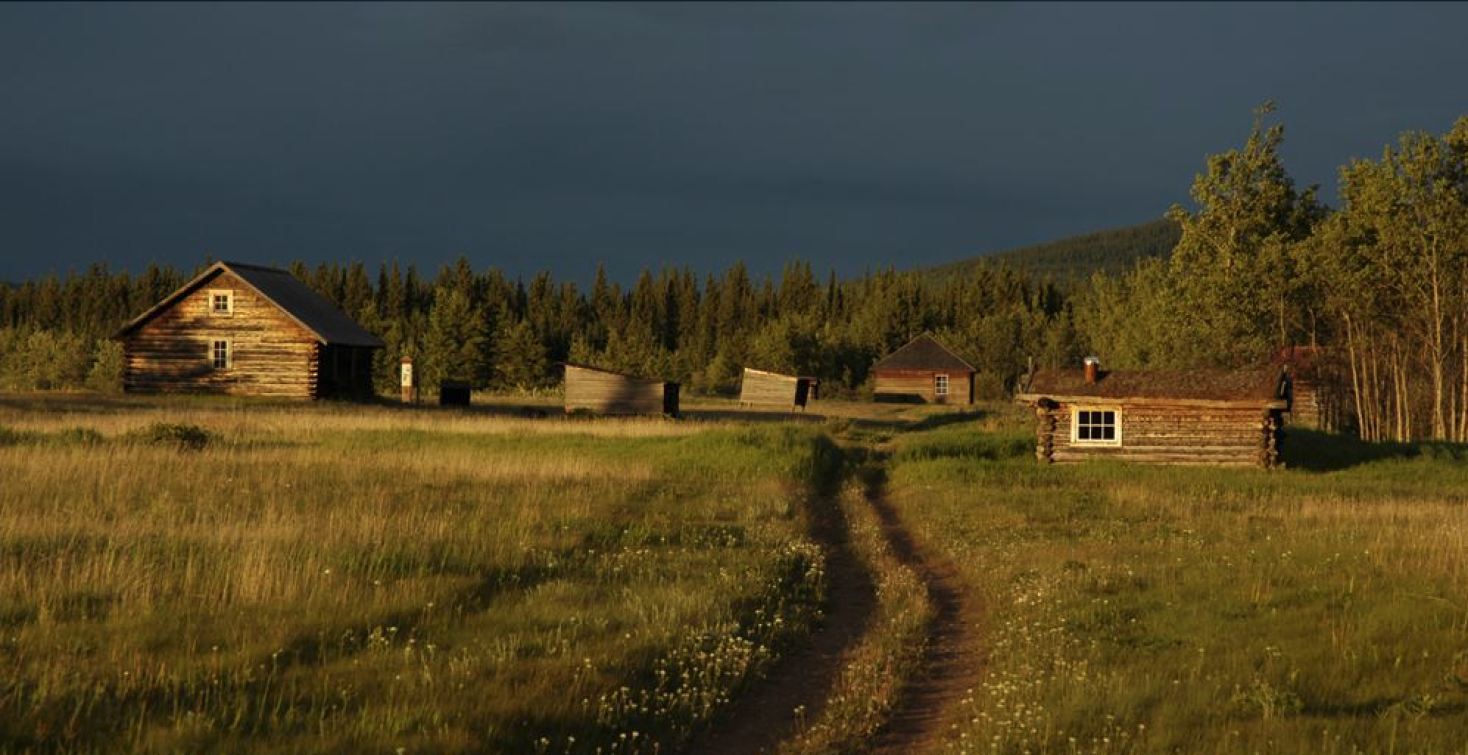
x=1222, y=417
x=600, y=391
x=247, y=330
x=924, y=371
x=774, y=389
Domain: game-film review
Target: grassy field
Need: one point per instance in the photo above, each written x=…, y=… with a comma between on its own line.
x=192, y=575
x=214, y=576
x=1136, y=609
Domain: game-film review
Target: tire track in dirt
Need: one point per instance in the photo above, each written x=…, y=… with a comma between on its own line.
x=953, y=661
x=766, y=714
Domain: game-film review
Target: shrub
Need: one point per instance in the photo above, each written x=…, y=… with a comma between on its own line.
x=182, y=437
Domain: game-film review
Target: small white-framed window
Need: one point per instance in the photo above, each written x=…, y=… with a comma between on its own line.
x=940, y=385
x=221, y=302
x=221, y=355
x=1092, y=426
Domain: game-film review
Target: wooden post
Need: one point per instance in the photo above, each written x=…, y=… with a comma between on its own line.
x=410, y=387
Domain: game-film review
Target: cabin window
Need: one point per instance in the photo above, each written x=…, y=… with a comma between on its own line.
x=221, y=302
x=1096, y=427
x=220, y=355
x=940, y=385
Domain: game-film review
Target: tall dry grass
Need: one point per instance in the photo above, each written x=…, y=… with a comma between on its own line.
x=320, y=579
x=1166, y=609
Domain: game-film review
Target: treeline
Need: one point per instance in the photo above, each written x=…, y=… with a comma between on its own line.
x=1072, y=261
x=506, y=334
x=1379, y=288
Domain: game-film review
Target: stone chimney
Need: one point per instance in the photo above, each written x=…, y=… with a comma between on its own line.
x=1093, y=370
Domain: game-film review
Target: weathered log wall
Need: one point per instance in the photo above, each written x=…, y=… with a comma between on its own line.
x=919, y=386
x=610, y=393
x=271, y=354
x=1167, y=434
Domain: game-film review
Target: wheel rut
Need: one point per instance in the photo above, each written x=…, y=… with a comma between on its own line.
x=953, y=660
x=795, y=692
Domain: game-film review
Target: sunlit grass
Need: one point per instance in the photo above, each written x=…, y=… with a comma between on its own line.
x=320, y=579
x=1201, y=610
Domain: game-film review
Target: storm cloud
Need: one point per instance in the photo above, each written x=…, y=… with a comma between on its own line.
x=554, y=136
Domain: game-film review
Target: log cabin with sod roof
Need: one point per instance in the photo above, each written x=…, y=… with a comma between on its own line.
x=1160, y=416
x=773, y=389
x=924, y=371
x=592, y=389
x=246, y=330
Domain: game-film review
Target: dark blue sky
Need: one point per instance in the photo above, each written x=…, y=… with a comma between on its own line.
x=552, y=136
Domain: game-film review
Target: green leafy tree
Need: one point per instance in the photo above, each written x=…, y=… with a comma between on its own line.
x=1232, y=285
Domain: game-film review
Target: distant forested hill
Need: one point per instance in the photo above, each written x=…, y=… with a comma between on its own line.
x=1076, y=258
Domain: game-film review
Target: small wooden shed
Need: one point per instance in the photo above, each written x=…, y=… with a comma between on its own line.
x=774, y=389
x=924, y=371
x=606, y=392
x=1159, y=416
x=1317, y=390
x=247, y=330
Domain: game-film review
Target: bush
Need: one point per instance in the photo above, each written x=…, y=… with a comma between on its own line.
x=182, y=437
x=106, y=373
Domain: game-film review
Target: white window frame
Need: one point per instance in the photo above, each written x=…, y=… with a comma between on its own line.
x=228, y=295
x=214, y=353
x=1075, y=426
x=940, y=385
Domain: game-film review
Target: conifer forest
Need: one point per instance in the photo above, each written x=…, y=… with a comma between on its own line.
x=1378, y=287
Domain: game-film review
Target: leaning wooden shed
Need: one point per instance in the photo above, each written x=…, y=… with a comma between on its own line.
x=1159, y=416
x=247, y=330
x=606, y=392
x=924, y=371
x=773, y=389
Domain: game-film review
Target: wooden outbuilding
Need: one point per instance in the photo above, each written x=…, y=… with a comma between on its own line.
x=774, y=389
x=1318, y=396
x=606, y=392
x=246, y=330
x=924, y=371
x=1159, y=416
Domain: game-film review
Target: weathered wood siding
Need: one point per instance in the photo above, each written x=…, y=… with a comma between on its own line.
x=1167, y=434
x=1317, y=404
x=610, y=393
x=271, y=354
x=769, y=388
x=920, y=386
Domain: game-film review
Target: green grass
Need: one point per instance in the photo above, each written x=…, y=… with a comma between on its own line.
x=1168, y=609
x=206, y=578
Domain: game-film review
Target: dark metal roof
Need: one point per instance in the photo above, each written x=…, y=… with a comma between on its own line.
x=923, y=353
x=1256, y=385
x=309, y=309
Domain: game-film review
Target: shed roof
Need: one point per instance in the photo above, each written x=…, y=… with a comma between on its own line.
x=923, y=353
x=309, y=309
x=1254, y=386
x=605, y=371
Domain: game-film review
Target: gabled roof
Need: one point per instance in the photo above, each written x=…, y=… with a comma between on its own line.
x=923, y=353
x=1252, y=387
x=308, y=308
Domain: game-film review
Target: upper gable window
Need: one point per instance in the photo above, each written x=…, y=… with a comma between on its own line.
x=221, y=302
x=1096, y=427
